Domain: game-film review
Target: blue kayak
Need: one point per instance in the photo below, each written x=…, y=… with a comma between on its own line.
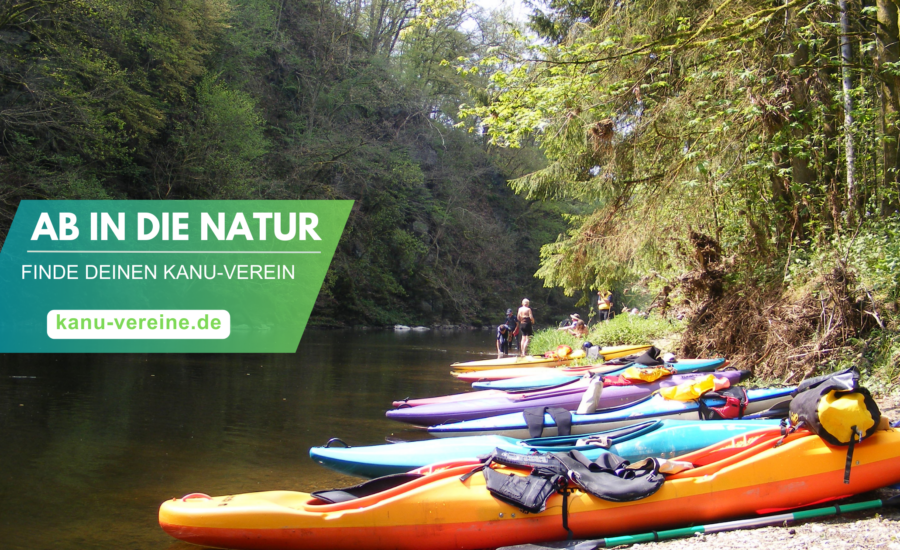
x=660, y=438
x=545, y=381
x=652, y=407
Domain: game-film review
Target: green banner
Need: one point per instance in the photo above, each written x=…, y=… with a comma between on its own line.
x=165, y=276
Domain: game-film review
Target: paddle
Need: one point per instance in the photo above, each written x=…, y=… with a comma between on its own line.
x=712, y=528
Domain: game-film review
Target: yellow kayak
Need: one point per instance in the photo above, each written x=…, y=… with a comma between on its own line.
x=741, y=477
x=606, y=354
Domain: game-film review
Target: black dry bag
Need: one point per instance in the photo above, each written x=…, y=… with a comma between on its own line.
x=835, y=407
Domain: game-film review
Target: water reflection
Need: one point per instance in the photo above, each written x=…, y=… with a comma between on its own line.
x=93, y=443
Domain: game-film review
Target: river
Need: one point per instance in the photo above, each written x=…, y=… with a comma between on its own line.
x=91, y=444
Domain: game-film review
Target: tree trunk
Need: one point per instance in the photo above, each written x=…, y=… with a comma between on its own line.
x=781, y=196
x=802, y=175
x=832, y=201
x=887, y=36
x=850, y=152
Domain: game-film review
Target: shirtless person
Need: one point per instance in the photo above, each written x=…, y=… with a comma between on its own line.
x=526, y=325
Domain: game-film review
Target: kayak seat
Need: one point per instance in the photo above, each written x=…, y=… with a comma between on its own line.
x=617, y=434
x=377, y=485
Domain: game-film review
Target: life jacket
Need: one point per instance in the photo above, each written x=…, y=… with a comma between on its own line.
x=736, y=401
x=610, y=477
x=617, y=381
x=561, y=352
x=647, y=374
x=691, y=391
x=528, y=493
x=837, y=408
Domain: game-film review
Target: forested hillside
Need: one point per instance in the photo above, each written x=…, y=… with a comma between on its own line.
x=277, y=99
x=737, y=160
x=733, y=162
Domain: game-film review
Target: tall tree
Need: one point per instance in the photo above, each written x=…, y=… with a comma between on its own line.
x=847, y=90
x=660, y=118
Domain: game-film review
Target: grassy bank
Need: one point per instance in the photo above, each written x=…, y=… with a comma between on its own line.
x=875, y=356
x=621, y=330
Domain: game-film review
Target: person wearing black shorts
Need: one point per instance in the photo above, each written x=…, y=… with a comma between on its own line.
x=526, y=325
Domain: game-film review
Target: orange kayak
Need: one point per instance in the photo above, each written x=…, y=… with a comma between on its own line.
x=741, y=477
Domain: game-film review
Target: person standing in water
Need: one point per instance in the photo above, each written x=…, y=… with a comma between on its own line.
x=504, y=335
x=526, y=325
x=513, y=327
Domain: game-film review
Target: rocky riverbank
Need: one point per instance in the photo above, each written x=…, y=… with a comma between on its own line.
x=864, y=530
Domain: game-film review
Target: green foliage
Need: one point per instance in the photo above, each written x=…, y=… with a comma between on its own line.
x=872, y=254
x=548, y=339
x=875, y=254
x=878, y=362
x=667, y=117
x=633, y=329
x=88, y=89
x=216, y=153
x=669, y=124
x=235, y=99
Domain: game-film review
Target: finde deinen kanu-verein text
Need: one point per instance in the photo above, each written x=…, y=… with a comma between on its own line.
x=89, y=272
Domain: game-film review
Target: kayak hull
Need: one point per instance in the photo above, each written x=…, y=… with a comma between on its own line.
x=513, y=425
x=559, y=376
x=612, y=352
x=567, y=397
x=548, y=370
x=661, y=438
x=439, y=511
x=506, y=373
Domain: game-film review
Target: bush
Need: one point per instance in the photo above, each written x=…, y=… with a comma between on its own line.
x=621, y=330
x=632, y=329
x=546, y=340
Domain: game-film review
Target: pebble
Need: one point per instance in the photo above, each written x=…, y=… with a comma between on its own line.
x=865, y=530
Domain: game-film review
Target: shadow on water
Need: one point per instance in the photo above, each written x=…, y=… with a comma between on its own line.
x=93, y=443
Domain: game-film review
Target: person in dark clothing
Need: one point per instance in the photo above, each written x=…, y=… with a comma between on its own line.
x=503, y=336
x=513, y=327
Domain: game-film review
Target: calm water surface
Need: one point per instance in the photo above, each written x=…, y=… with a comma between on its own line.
x=91, y=444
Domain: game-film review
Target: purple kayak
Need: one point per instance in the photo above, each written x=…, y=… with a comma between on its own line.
x=612, y=396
